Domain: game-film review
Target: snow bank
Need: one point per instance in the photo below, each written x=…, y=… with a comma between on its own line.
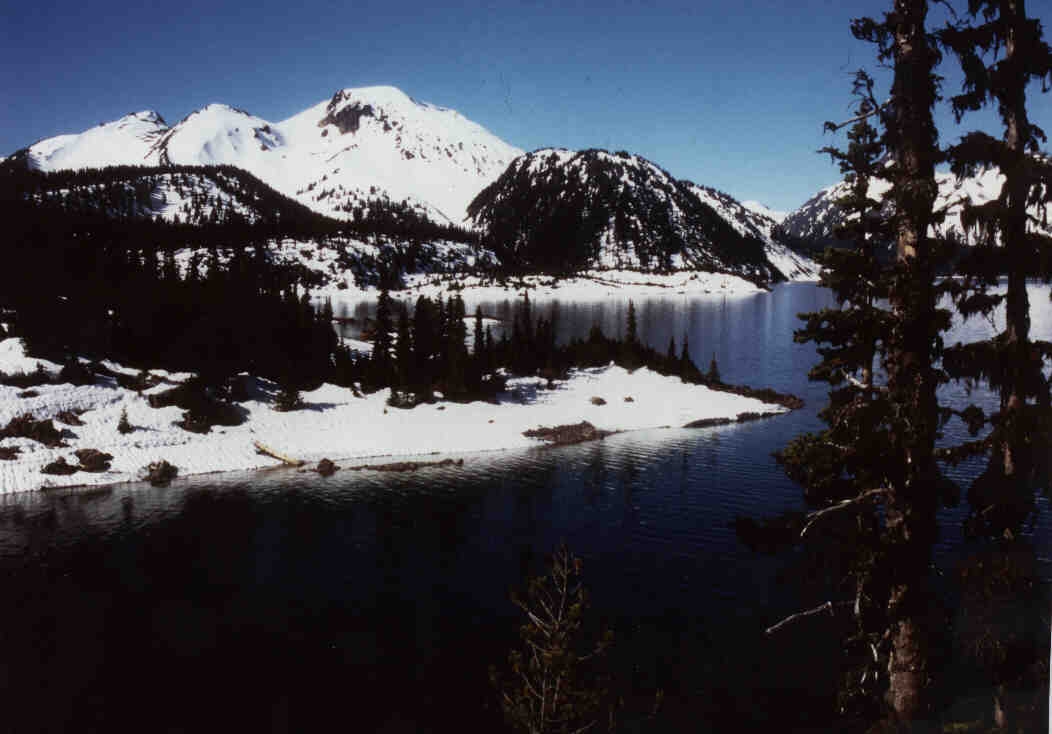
x=594, y=285
x=338, y=425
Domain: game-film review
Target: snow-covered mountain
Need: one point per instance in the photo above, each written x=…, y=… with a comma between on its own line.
x=127, y=141
x=816, y=221
x=558, y=210
x=361, y=145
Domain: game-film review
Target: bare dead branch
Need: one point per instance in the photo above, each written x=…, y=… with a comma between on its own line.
x=843, y=504
x=835, y=126
x=854, y=381
x=826, y=607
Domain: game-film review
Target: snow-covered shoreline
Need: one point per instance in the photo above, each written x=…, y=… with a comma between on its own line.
x=335, y=423
x=454, y=265
x=590, y=286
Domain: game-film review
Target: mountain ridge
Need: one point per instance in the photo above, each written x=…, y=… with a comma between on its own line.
x=376, y=149
x=432, y=158
x=814, y=223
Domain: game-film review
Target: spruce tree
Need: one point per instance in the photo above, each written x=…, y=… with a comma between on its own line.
x=631, y=333
x=910, y=477
x=123, y=426
x=880, y=444
x=844, y=463
x=381, y=367
x=288, y=397
x=403, y=349
x=488, y=366
x=456, y=347
x=478, y=358
x=479, y=336
x=1000, y=51
x=425, y=339
x=713, y=375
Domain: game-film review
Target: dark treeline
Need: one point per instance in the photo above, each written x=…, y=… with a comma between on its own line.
x=216, y=319
x=427, y=350
x=92, y=270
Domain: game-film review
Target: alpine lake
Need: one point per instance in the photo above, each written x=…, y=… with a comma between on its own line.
x=368, y=601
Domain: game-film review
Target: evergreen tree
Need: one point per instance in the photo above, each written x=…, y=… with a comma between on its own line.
x=553, y=685
x=488, y=366
x=123, y=426
x=425, y=341
x=403, y=349
x=456, y=348
x=381, y=368
x=713, y=375
x=527, y=320
x=1001, y=50
x=480, y=346
x=478, y=359
x=910, y=477
x=631, y=334
x=880, y=444
x=288, y=397
x=441, y=336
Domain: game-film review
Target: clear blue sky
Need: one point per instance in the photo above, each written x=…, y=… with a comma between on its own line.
x=728, y=94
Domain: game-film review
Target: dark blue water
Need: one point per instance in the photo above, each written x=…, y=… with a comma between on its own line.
x=280, y=601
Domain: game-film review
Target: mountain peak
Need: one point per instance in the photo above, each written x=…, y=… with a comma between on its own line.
x=147, y=116
x=379, y=96
x=218, y=108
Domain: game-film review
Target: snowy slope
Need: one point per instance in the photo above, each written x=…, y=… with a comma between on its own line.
x=217, y=134
x=751, y=218
x=818, y=218
x=764, y=210
x=127, y=141
x=360, y=145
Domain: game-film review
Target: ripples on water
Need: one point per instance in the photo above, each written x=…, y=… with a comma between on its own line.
x=285, y=601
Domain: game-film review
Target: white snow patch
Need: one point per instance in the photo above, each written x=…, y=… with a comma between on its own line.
x=762, y=209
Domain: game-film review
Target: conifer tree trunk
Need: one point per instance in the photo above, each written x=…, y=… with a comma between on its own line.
x=911, y=379
x=1017, y=305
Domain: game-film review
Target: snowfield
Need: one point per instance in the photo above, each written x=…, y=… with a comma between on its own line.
x=335, y=423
